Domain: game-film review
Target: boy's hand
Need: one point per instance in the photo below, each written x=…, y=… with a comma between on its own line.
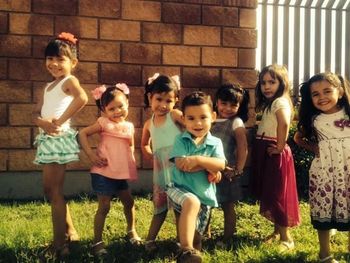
x=214, y=177
x=187, y=164
x=98, y=161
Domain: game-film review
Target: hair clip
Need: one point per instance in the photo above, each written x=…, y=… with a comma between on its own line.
x=67, y=37
x=123, y=87
x=153, y=78
x=97, y=93
x=176, y=78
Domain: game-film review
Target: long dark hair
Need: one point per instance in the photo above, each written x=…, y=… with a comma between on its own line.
x=276, y=72
x=109, y=95
x=308, y=112
x=234, y=94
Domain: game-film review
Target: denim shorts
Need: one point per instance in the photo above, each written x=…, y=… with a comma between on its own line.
x=102, y=185
x=178, y=196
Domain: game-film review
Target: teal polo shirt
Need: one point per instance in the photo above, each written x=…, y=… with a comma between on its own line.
x=196, y=182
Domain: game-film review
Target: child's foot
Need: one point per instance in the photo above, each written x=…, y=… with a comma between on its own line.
x=328, y=259
x=271, y=238
x=98, y=249
x=286, y=246
x=72, y=236
x=134, y=238
x=150, y=246
x=190, y=256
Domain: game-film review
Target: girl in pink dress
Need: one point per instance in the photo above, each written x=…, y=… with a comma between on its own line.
x=273, y=175
x=114, y=162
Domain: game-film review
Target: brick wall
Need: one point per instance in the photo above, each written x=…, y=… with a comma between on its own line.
x=206, y=42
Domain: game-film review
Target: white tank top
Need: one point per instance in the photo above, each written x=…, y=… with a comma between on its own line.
x=56, y=102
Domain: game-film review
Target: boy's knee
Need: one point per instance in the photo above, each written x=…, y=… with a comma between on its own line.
x=192, y=202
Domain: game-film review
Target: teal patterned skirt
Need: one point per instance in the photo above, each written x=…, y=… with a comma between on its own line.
x=60, y=149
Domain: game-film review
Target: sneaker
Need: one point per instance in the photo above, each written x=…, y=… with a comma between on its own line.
x=189, y=256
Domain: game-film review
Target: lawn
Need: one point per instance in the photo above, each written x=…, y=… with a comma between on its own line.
x=25, y=228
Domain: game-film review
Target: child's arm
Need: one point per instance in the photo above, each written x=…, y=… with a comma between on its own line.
x=302, y=142
x=242, y=147
x=283, y=120
x=198, y=162
x=47, y=125
x=146, y=140
x=72, y=87
x=176, y=115
x=84, y=142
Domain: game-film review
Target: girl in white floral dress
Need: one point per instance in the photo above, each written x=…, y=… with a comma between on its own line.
x=324, y=128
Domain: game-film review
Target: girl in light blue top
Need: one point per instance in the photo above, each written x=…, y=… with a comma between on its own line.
x=159, y=132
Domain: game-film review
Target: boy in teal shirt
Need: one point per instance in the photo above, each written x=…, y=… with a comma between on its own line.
x=196, y=154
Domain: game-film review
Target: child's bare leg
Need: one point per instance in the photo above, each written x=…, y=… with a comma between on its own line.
x=156, y=224
x=284, y=233
x=274, y=236
x=229, y=220
x=71, y=232
x=197, y=241
x=53, y=178
x=104, y=205
x=323, y=238
x=129, y=212
x=187, y=222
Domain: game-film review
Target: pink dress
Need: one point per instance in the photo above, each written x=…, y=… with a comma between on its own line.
x=115, y=147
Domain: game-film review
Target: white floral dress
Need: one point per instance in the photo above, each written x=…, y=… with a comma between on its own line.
x=329, y=183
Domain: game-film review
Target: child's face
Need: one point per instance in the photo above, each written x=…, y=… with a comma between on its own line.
x=60, y=66
x=227, y=109
x=162, y=103
x=325, y=97
x=269, y=86
x=117, y=109
x=198, y=120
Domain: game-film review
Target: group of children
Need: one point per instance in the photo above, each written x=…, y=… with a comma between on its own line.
x=198, y=153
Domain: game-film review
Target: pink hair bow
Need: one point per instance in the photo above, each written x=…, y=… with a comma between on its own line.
x=97, y=93
x=176, y=78
x=151, y=79
x=123, y=87
x=67, y=37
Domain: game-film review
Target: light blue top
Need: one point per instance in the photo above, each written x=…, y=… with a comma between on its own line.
x=164, y=135
x=196, y=182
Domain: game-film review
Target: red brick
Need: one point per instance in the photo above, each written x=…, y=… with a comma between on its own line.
x=218, y=56
x=66, y=7
x=136, y=96
x=31, y=24
x=221, y=16
x=3, y=160
x=87, y=116
x=127, y=30
x=247, y=18
x=246, y=58
x=138, y=157
x=236, y=37
x=39, y=45
x=15, y=91
x=21, y=114
x=14, y=137
x=3, y=68
x=107, y=51
x=15, y=46
x=15, y=5
x=109, y=8
x=141, y=53
x=181, y=55
x=161, y=33
x=22, y=160
x=148, y=71
x=181, y=13
x=246, y=78
x=81, y=27
x=3, y=22
x=131, y=10
x=206, y=2
x=202, y=35
x=3, y=114
x=135, y=116
x=86, y=72
x=38, y=88
x=113, y=73
x=24, y=69
x=200, y=78
x=241, y=3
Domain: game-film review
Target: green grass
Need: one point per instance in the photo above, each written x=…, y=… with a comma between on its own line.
x=25, y=228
